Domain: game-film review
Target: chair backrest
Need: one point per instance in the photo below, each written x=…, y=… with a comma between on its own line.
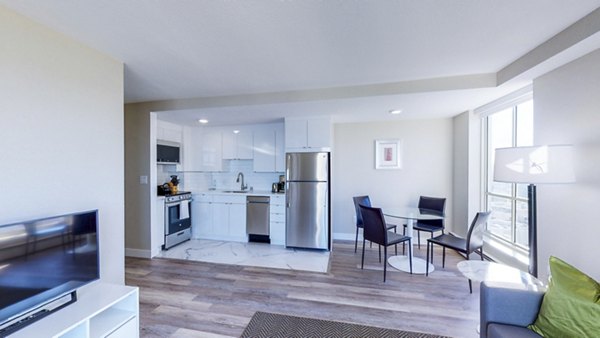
x=374, y=225
x=433, y=205
x=360, y=200
x=476, y=230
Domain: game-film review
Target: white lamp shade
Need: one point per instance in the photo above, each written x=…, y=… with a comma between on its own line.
x=537, y=164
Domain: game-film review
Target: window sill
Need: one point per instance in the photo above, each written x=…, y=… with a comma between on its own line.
x=505, y=253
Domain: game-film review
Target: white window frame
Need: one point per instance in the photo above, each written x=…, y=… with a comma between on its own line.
x=509, y=101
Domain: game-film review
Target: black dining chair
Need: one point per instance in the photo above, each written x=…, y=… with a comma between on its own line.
x=366, y=201
x=375, y=230
x=473, y=242
x=434, y=206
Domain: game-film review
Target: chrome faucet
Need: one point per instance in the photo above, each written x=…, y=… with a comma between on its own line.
x=242, y=186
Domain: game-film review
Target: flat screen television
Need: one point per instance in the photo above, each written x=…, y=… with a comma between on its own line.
x=43, y=262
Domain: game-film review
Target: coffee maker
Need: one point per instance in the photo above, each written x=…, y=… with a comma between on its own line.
x=281, y=184
x=279, y=187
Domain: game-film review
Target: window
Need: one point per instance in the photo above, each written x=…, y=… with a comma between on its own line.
x=509, y=127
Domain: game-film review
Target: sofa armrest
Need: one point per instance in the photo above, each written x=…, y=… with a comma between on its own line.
x=505, y=303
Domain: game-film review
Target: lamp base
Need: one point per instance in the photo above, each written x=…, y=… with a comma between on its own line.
x=532, y=220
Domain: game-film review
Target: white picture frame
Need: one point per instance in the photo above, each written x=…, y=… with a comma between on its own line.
x=388, y=154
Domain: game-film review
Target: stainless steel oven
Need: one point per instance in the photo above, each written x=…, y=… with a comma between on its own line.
x=178, y=219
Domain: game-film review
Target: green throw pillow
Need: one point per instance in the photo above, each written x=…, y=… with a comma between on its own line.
x=571, y=305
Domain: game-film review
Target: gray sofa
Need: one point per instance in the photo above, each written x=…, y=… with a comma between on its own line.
x=507, y=309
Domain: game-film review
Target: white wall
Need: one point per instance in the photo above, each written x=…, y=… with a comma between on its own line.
x=567, y=111
x=61, y=141
x=426, y=167
x=467, y=170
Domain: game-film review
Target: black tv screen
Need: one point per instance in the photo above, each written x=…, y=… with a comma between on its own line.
x=44, y=259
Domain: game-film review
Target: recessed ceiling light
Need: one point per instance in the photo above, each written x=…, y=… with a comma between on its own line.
x=203, y=121
x=396, y=111
x=236, y=131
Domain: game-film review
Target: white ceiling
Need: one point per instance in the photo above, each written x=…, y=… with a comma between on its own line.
x=210, y=48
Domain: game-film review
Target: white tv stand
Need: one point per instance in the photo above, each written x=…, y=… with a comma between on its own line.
x=101, y=310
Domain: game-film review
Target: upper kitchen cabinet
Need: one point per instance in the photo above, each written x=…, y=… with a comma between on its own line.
x=269, y=150
x=167, y=131
x=202, y=150
x=237, y=146
x=308, y=134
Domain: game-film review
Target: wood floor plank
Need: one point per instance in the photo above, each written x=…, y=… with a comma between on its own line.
x=193, y=299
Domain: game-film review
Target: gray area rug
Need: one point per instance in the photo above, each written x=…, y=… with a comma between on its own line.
x=264, y=324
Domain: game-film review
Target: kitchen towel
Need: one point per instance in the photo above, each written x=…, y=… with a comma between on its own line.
x=184, y=210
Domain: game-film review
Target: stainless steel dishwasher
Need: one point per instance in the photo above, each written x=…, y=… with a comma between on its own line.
x=257, y=218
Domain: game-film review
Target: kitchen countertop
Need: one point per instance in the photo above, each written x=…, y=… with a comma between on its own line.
x=245, y=193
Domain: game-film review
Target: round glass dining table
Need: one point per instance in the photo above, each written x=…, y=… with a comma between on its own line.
x=402, y=262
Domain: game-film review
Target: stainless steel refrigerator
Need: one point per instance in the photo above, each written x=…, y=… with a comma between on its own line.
x=307, y=201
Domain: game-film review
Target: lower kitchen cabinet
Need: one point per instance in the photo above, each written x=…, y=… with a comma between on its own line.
x=277, y=220
x=202, y=216
x=220, y=217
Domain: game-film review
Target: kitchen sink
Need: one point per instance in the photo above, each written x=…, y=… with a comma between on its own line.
x=236, y=191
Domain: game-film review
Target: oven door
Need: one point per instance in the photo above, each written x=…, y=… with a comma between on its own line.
x=178, y=216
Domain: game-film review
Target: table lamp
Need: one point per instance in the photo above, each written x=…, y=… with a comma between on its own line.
x=534, y=165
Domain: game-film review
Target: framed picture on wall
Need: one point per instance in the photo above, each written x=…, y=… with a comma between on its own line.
x=388, y=154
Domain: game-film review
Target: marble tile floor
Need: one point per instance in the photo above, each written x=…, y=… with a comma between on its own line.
x=250, y=254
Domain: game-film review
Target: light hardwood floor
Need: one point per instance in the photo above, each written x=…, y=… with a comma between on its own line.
x=195, y=299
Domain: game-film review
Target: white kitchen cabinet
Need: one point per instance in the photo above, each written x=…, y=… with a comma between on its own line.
x=101, y=310
x=169, y=131
x=237, y=146
x=277, y=219
x=279, y=150
x=264, y=151
x=269, y=151
x=211, y=148
x=308, y=134
x=237, y=221
x=220, y=220
x=295, y=133
x=228, y=218
x=202, y=220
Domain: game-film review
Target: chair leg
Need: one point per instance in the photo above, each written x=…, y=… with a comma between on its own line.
x=432, y=250
x=396, y=249
x=419, y=239
x=362, y=262
x=470, y=287
x=444, y=257
x=379, y=253
x=384, y=263
x=481, y=253
x=404, y=243
x=356, y=240
x=410, y=255
x=427, y=261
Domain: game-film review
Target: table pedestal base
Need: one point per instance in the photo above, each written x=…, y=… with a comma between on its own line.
x=402, y=263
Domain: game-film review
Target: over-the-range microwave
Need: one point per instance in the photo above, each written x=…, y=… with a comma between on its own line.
x=167, y=152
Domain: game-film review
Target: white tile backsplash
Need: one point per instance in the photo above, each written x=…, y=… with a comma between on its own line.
x=226, y=180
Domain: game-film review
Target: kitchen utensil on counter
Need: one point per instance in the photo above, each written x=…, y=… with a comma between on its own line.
x=164, y=189
x=173, y=184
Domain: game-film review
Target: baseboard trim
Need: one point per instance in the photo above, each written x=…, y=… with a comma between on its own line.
x=345, y=236
x=138, y=253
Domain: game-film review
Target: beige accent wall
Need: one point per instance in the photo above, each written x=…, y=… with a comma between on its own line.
x=61, y=140
x=426, y=168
